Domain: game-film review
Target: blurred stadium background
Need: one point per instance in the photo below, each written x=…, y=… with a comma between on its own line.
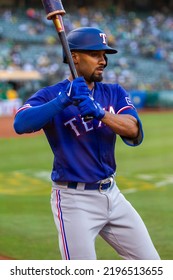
x=142, y=31
x=31, y=57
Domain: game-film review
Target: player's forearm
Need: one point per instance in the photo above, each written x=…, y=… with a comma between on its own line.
x=35, y=118
x=124, y=125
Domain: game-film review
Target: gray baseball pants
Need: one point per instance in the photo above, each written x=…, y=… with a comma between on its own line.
x=81, y=215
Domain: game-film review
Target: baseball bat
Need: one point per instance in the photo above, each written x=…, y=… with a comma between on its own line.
x=55, y=10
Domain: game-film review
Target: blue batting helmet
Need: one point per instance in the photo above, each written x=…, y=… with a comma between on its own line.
x=88, y=39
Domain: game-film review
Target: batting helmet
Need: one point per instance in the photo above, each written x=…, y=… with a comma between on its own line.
x=88, y=39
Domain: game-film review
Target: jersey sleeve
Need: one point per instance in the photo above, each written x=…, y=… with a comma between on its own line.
x=37, y=111
x=35, y=100
x=42, y=96
x=125, y=106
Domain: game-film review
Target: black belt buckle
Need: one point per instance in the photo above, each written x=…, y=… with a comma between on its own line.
x=108, y=182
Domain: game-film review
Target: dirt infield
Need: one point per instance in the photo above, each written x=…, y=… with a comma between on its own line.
x=5, y=258
x=7, y=130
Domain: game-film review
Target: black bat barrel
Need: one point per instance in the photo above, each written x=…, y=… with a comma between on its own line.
x=53, y=7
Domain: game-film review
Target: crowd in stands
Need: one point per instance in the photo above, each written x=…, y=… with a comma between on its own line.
x=144, y=43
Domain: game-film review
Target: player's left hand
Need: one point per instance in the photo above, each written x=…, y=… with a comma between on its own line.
x=89, y=107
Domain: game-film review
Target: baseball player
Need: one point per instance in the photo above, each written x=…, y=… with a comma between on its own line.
x=85, y=199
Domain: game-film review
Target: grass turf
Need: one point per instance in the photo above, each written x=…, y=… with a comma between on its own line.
x=144, y=174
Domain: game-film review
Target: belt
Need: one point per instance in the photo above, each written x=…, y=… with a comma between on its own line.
x=104, y=186
x=101, y=185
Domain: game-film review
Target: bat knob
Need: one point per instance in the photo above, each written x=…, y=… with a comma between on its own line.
x=88, y=118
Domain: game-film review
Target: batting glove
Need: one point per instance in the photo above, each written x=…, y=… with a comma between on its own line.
x=89, y=107
x=77, y=87
x=63, y=100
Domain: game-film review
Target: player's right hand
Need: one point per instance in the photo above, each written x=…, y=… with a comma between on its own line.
x=77, y=87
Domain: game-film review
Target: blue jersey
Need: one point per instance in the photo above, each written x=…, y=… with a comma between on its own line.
x=84, y=151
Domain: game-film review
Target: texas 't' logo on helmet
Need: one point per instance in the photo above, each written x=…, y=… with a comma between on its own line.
x=103, y=36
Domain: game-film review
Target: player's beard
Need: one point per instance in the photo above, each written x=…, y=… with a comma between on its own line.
x=95, y=78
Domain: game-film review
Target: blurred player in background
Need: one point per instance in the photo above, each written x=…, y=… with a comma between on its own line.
x=86, y=201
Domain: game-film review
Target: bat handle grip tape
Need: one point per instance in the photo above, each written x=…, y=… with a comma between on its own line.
x=60, y=29
x=62, y=36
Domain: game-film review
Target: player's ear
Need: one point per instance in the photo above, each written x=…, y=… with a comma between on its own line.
x=75, y=57
x=106, y=59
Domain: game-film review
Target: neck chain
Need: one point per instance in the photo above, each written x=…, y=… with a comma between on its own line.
x=92, y=91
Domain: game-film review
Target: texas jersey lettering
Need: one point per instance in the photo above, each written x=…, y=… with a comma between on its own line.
x=62, y=130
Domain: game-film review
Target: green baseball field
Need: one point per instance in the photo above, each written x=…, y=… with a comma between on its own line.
x=144, y=174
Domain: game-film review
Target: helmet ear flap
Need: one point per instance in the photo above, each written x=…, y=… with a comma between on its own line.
x=106, y=59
